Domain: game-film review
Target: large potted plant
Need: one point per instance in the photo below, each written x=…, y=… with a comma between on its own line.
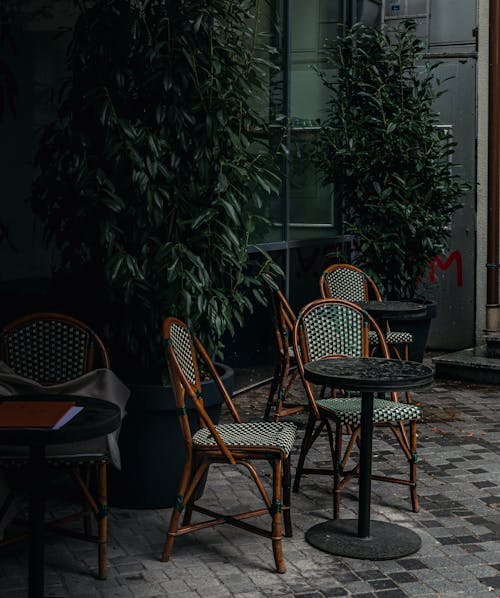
x=388, y=160
x=149, y=185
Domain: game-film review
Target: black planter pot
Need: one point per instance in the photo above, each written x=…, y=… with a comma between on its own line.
x=151, y=445
x=419, y=328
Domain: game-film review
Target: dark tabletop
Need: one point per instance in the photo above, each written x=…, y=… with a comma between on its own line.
x=368, y=374
x=404, y=310
x=97, y=418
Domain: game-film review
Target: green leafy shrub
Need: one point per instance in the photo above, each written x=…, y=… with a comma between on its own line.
x=388, y=160
x=153, y=176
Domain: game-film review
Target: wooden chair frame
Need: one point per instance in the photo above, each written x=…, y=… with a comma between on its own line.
x=286, y=367
x=88, y=472
x=320, y=418
x=199, y=458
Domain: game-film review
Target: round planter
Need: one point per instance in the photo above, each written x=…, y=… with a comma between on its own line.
x=151, y=444
x=419, y=328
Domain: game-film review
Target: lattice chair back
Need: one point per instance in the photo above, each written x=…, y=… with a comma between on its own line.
x=333, y=328
x=51, y=348
x=285, y=372
x=182, y=352
x=283, y=316
x=347, y=282
x=182, y=347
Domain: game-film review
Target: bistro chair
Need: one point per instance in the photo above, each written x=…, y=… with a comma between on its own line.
x=234, y=444
x=286, y=366
x=336, y=328
x=347, y=282
x=53, y=348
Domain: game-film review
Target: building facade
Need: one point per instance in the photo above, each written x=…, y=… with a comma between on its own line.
x=306, y=220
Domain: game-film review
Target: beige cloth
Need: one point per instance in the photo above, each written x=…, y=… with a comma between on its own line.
x=99, y=384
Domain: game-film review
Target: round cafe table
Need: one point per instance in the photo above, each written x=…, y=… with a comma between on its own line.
x=394, y=310
x=97, y=418
x=362, y=538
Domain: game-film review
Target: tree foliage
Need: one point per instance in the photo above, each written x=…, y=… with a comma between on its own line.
x=388, y=160
x=155, y=171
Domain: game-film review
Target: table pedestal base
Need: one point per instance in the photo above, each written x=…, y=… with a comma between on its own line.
x=386, y=541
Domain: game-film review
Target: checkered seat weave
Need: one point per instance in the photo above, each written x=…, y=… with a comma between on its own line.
x=392, y=338
x=349, y=410
x=265, y=435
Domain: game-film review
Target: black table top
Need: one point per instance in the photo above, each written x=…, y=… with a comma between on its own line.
x=404, y=310
x=97, y=418
x=368, y=374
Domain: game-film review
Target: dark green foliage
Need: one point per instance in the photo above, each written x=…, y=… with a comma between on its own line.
x=388, y=161
x=155, y=171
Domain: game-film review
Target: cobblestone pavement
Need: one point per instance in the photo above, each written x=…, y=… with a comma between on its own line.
x=459, y=523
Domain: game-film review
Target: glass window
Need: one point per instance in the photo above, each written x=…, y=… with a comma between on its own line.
x=312, y=212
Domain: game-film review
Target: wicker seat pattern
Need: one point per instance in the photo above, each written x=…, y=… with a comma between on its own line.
x=267, y=435
x=348, y=411
x=392, y=338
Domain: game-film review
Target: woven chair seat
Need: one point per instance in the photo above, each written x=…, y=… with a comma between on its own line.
x=86, y=451
x=349, y=410
x=265, y=435
x=392, y=338
x=59, y=461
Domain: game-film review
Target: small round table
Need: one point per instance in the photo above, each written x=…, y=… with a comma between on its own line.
x=362, y=538
x=97, y=418
x=394, y=310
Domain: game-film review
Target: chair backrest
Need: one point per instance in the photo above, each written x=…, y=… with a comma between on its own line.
x=347, y=282
x=183, y=352
x=283, y=317
x=51, y=348
x=332, y=328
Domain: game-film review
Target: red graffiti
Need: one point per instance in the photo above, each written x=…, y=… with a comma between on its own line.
x=455, y=256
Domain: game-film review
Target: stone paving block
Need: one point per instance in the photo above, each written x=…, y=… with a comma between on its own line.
x=459, y=522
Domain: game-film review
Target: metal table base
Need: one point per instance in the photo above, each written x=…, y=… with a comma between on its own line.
x=386, y=540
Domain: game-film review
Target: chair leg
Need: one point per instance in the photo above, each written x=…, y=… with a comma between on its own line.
x=275, y=383
x=306, y=444
x=337, y=470
x=287, y=481
x=188, y=511
x=276, y=517
x=177, y=510
x=413, y=466
x=102, y=484
x=87, y=519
